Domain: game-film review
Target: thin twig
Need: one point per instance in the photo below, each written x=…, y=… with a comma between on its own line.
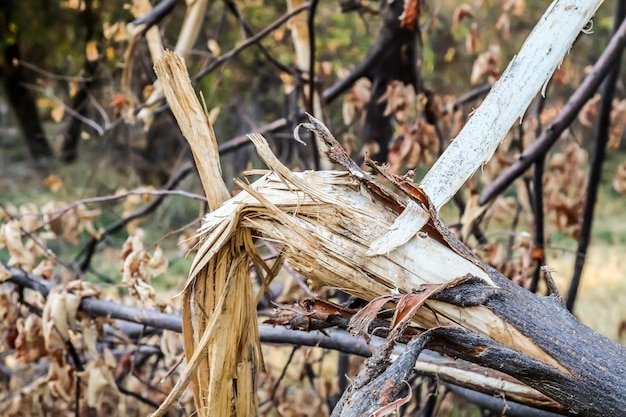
x=107, y=198
x=155, y=15
x=232, y=6
x=89, y=250
x=248, y=42
x=537, y=199
x=100, y=130
x=51, y=75
x=137, y=396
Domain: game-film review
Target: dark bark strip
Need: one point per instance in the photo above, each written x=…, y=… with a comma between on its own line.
x=601, y=139
x=596, y=383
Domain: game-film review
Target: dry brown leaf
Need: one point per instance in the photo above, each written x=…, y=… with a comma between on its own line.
x=91, y=51
x=360, y=322
x=139, y=267
x=171, y=344
x=589, y=112
x=516, y=6
x=472, y=40
x=11, y=238
x=619, y=180
x=462, y=11
x=115, y=31
x=561, y=75
x=59, y=317
x=503, y=25
x=57, y=113
x=61, y=381
x=53, y=183
x=102, y=393
x=618, y=123
x=356, y=100
x=400, y=99
x=410, y=14
x=44, y=269
x=486, y=65
x=30, y=344
x=29, y=216
x=188, y=241
x=156, y=264
x=214, y=47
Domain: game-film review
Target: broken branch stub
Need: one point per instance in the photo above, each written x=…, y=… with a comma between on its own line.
x=194, y=123
x=220, y=331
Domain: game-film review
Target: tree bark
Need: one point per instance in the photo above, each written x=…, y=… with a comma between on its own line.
x=14, y=79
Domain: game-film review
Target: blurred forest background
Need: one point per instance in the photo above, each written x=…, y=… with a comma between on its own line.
x=99, y=198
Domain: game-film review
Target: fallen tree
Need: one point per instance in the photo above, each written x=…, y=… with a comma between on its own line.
x=346, y=230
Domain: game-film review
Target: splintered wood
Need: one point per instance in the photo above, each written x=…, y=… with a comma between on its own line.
x=220, y=329
x=325, y=223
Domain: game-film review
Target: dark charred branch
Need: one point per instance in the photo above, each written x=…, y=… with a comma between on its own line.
x=385, y=388
x=601, y=138
x=71, y=139
x=596, y=371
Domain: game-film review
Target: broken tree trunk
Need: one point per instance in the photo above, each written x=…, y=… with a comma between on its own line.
x=345, y=230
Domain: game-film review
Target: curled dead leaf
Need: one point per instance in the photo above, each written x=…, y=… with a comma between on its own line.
x=618, y=123
x=11, y=238
x=619, y=180
x=503, y=25
x=61, y=381
x=472, y=40
x=30, y=343
x=4, y=273
x=102, y=393
x=355, y=100
x=462, y=11
x=589, y=111
x=486, y=66
x=53, y=183
x=59, y=317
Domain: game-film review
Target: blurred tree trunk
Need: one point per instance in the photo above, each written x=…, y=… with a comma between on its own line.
x=71, y=136
x=14, y=81
x=393, y=58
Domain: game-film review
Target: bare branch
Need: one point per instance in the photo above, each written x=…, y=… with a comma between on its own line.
x=552, y=133
x=89, y=250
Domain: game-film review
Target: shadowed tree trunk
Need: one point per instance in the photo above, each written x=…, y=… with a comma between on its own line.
x=393, y=58
x=14, y=80
x=69, y=148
